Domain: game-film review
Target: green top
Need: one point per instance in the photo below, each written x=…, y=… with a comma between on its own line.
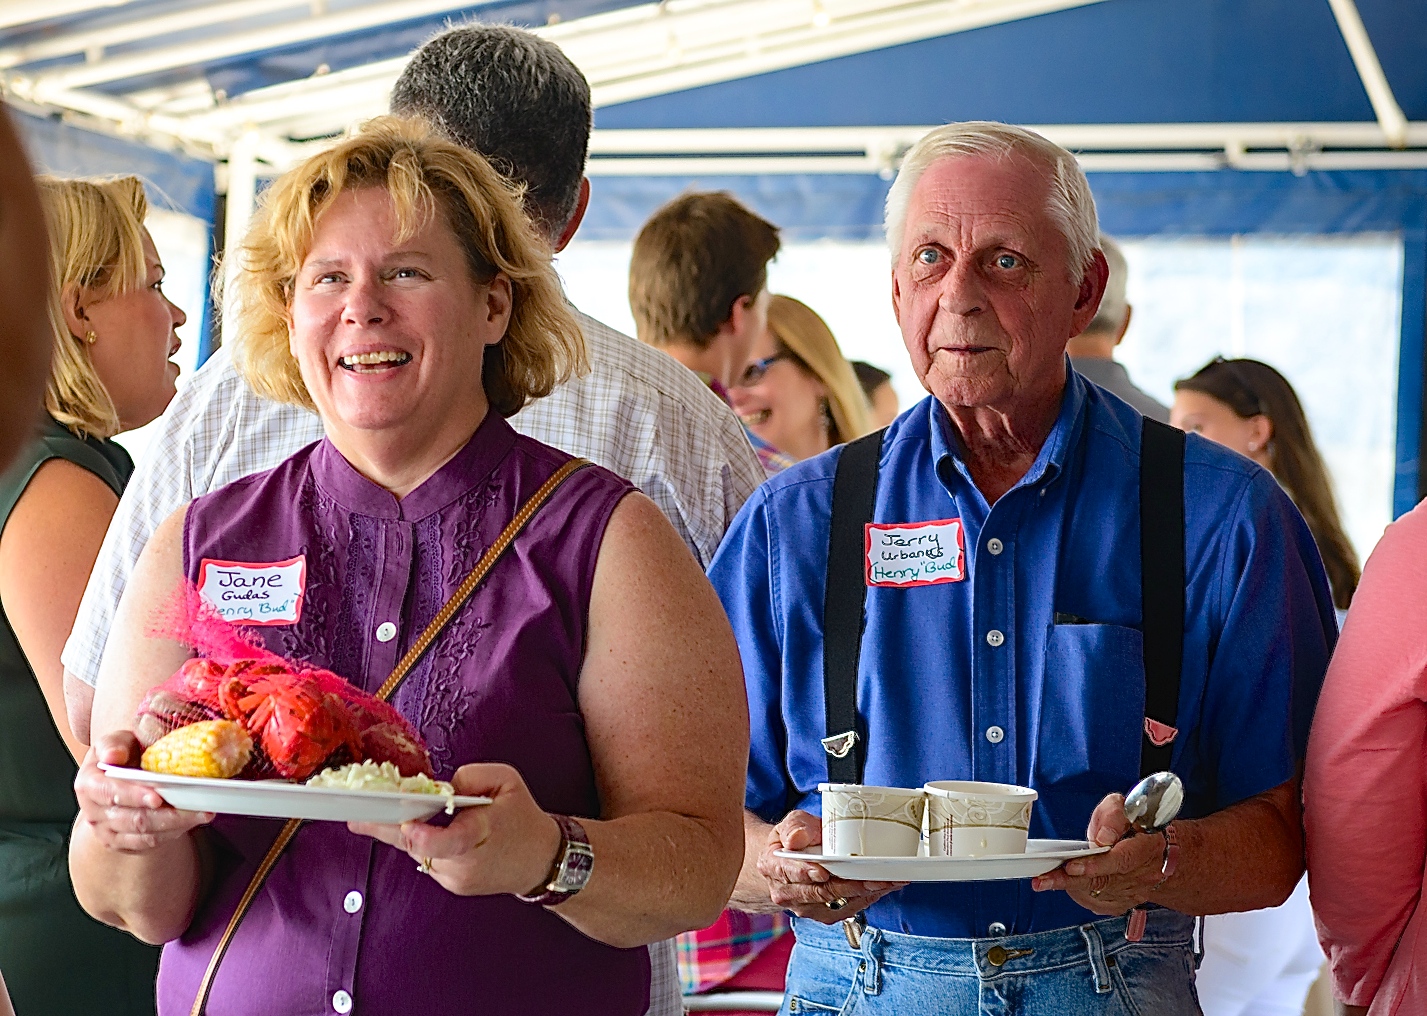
x=55, y=957
x=36, y=770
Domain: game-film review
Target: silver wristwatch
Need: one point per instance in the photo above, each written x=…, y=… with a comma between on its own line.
x=574, y=864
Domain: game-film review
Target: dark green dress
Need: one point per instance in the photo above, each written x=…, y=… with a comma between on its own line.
x=56, y=959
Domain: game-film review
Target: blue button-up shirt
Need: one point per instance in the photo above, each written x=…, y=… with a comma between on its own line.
x=1029, y=669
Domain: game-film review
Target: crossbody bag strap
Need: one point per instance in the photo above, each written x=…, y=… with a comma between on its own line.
x=403, y=667
x=1161, y=587
x=854, y=495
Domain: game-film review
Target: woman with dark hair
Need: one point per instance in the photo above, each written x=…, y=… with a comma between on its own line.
x=1248, y=406
x=881, y=396
x=1264, y=962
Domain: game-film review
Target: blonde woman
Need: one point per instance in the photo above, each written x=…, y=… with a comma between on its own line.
x=113, y=332
x=591, y=686
x=798, y=392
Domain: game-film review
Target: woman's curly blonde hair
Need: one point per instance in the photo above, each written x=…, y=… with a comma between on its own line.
x=422, y=171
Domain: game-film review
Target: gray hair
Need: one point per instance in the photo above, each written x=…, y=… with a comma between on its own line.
x=517, y=100
x=1113, y=304
x=1070, y=204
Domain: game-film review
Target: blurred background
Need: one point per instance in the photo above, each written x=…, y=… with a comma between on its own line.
x=1264, y=163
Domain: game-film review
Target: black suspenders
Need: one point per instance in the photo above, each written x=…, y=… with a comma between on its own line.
x=854, y=493
x=1161, y=587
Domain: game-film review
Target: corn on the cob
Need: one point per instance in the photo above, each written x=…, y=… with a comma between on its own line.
x=218, y=748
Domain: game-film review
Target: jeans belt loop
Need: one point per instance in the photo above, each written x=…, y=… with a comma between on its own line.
x=1095, y=947
x=871, y=963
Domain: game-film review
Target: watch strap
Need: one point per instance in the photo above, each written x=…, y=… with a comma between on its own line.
x=574, y=863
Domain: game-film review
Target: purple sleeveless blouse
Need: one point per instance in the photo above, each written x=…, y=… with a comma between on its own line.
x=345, y=923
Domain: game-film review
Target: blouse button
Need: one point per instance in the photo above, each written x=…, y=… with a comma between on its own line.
x=353, y=902
x=995, y=735
x=342, y=1002
x=386, y=631
x=994, y=637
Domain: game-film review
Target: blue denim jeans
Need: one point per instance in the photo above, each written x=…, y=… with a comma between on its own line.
x=1090, y=969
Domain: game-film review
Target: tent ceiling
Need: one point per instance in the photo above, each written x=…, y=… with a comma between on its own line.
x=155, y=73
x=743, y=79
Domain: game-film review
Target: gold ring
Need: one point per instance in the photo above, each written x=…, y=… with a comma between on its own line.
x=836, y=904
x=424, y=866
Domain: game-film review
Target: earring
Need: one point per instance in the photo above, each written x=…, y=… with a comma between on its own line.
x=90, y=337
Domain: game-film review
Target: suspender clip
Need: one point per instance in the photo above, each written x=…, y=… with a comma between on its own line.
x=838, y=745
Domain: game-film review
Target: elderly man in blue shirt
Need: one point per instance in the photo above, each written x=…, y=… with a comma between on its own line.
x=1020, y=655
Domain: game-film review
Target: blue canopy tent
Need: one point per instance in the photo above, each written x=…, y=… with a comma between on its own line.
x=1193, y=117
x=1123, y=62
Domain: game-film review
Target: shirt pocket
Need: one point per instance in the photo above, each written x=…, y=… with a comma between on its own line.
x=1092, y=713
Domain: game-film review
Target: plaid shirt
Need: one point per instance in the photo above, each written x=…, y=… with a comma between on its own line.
x=637, y=412
x=709, y=957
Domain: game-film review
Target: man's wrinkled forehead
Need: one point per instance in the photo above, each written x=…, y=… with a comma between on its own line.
x=981, y=199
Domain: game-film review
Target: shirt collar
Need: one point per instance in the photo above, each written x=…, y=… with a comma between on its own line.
x=947, y=453
x=471, y=465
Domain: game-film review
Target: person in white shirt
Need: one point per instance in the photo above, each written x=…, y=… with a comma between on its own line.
x=637, y=412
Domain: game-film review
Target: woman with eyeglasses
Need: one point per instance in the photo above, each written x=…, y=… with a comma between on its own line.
x=799, y=395
x=798, y=392
x=1264, y=962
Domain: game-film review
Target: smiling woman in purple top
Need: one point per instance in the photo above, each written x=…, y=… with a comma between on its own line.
x=393, y=284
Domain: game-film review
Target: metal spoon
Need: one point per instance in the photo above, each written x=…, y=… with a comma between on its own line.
x=1154, y=802
x=1149, y=808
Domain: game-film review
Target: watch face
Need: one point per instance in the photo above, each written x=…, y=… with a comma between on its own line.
x=575, y=868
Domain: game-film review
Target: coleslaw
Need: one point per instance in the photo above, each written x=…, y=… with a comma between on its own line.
x=383, y=777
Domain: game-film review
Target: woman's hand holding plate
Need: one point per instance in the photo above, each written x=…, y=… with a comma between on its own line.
x=127, y=817
x=508, y=846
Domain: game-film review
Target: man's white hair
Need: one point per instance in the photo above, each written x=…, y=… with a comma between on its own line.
x=1070, y=203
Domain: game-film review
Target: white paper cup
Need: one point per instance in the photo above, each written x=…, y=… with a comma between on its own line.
x=970, y=819
x=863, y=821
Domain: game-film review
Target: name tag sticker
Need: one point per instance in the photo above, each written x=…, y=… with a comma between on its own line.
x=910, y=554
x=254, y=593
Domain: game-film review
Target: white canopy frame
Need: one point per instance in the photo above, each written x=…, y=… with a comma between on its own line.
x=630, y=53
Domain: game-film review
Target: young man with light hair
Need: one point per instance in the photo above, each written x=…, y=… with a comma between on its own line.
x=698, y=288
x=519, y=101
x=1054, y=618
x=1092, y=352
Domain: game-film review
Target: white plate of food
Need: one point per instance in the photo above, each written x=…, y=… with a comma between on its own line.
x=1041, y=856
x=280, y=799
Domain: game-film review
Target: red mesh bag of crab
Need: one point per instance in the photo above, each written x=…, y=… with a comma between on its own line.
x=300, y=719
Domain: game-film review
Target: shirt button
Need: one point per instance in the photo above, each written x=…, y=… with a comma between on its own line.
x=342, y=1002
x=996, y=929
x=994, y=637
x=353, y=902
x=995, y=546
x=386, y=631
x=995, y=735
